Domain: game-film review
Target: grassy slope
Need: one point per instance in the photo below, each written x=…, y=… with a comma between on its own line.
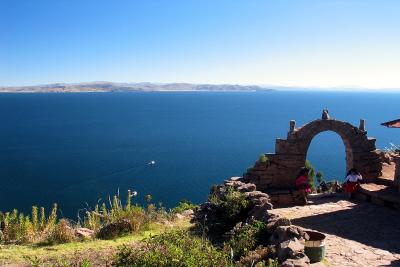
x=86, y=250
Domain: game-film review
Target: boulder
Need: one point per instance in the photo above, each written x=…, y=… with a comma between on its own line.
x=275, y=221
x=257, y=255
x=249, y=187
x=262, y=201
x=84, y=233
x=236, y=178
x=179, y=216
x=290, y=249
x=184, y=214
x=284, y=233
x=188, y=213
x=234, y=184
x=260, y=212
x=115, y=229
x=303, y=261
x=256, y=194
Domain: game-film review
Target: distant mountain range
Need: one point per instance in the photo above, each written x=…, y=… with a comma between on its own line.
x=129, y=87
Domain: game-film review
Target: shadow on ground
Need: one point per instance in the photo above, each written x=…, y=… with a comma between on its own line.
x=395, y=263
x=369, y=224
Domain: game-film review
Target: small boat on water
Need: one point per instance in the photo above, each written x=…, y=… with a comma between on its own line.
x=152, y=162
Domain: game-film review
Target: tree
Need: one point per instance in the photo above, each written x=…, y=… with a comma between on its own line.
x=319, y=177
x=311, y=174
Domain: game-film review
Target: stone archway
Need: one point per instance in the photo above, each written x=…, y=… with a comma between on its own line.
x=280, y=169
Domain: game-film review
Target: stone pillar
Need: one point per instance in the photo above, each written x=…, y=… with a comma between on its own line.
x=362, y=125
x=292, y=125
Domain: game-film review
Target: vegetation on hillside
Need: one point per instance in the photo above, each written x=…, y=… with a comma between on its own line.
x=37, y=227
x=183, y=205
x=41, y=229
x=176, y=248
x=228, y=209
x=224, y=236
x=227, y=238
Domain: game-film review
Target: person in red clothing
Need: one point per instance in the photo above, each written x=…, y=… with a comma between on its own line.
x=352, y=181
x=302, y=184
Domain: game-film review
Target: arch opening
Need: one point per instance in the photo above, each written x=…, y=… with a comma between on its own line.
x=329, y=154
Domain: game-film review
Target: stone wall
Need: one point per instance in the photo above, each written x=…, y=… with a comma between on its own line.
x=280, y=170
x=397, y=171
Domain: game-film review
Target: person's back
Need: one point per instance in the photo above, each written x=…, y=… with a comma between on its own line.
x=302, y=184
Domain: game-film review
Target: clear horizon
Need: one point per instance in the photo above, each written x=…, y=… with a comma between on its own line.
x=310, y=44
x=270, y=86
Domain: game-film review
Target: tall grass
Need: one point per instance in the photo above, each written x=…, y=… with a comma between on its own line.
x=16, y=227
x=39, y=227
x=115, y=211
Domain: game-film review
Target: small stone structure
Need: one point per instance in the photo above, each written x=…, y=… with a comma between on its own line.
x=260, y=201
x=279, y=171
x=287, y=239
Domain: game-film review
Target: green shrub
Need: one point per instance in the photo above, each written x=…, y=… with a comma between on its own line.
x=61, y=233
x=311, y=174
x=63, y=261
x=269, y=263
x=172, y=249
x=184, y=205
x=246, y=237
x=263, y=158
x=242, y=241
x=319, y=177
x=228, y=208
x=116, y=211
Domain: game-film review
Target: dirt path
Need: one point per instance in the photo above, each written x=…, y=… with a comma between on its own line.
x=358, y=233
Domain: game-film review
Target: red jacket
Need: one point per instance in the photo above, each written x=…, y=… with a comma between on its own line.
x=302, y=181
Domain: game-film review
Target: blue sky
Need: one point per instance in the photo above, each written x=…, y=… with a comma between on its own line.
x=342, y=43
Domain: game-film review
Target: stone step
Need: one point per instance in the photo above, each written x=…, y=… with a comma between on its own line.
x=379, y=194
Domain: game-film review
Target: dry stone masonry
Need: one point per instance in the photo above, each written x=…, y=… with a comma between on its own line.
x=277, y=174
x=397, y=172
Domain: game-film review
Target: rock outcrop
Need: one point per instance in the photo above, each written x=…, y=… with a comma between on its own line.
x=260, y=201
x=115, y=229
x=84, y=233
x=286, y=239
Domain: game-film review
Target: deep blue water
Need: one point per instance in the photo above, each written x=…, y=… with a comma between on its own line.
x=78, y=148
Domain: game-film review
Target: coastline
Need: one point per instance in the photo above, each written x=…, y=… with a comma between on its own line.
x=94, y=87
x=129, y=91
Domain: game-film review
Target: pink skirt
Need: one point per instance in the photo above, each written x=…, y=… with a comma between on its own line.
x=305, y=188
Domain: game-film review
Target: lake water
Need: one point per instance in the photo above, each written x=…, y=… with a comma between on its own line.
x=78, y=148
